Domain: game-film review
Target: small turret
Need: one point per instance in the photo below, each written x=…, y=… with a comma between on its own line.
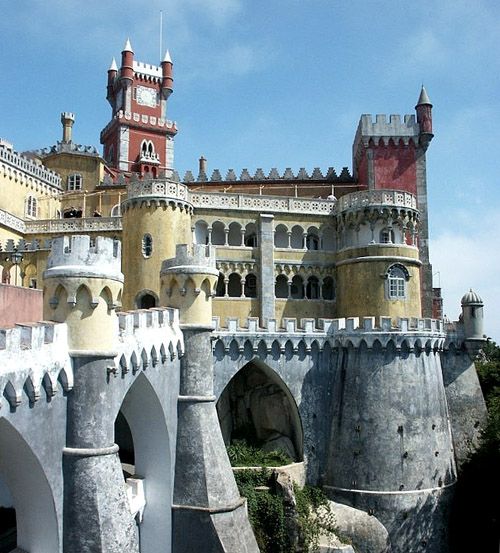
x=127, y=68
x=112, y=72
x=188, y=282
x=424, y=118
x=472, y=318
x=83, y=284
x=67, y=120
x=167, y=84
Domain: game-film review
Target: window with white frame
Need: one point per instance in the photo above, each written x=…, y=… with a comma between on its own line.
x=397, y=277
x=75, y=181
x=31, y=207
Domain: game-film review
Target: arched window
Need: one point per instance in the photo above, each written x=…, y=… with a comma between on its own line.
x=220, y=290
x=234, y=286
x=147, y=245
x=297, y=288
x=312, y=239
x=281, y=237
x=251, y=286
x=31, y=207
x=312, y=288
x=75, y=181
x=234, y=235
x=386, y=236
x=281, y=287
x=218, y=234
x=116, y=211
x=251, y=236
x=328, y=289
x=396, y=277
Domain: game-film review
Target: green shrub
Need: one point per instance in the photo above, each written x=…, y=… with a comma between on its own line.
x=242, y=455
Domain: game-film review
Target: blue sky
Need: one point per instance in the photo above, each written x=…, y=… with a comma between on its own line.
x=282, y=83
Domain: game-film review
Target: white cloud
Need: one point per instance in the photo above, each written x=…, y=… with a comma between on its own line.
x=471, y=260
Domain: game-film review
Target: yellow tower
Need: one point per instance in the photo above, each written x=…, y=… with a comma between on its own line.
x=156, y=216
x=82, y=287
x=378, y=265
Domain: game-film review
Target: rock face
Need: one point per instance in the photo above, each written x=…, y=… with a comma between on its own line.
x=367, y=533
x=255, y=408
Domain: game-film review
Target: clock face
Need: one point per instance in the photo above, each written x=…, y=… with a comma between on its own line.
x=146, y=96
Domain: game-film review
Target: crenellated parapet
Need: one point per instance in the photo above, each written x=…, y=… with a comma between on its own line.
x=34, y=362
x=409, y=334
x=382, y=131
x=273, y=176
x=147, y=337
x=188, y=281
x=83, y=286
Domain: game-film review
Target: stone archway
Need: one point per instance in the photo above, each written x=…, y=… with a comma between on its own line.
x=141, y=430
x=257, y=408
x=31, y=493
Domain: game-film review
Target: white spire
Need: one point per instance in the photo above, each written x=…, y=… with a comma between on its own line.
x=113, y=66
x=167, y=57
x=127, y=47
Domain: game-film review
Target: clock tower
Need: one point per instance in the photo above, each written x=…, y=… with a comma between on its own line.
x=139, y=138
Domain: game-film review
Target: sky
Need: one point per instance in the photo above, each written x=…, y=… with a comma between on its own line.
x=283, y=83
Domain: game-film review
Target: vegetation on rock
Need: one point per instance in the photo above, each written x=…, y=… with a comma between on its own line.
x=477, y=508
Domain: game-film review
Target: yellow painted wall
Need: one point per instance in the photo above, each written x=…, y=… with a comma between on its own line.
x=167, y=227
x=361, y=290
x=235, y=307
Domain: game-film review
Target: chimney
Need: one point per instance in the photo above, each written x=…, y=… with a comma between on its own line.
x=67, y=120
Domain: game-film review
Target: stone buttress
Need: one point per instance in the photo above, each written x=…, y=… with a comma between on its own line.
x=83, y=284
x=207, y=507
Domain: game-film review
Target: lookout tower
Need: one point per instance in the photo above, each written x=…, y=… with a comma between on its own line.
x=139, y=138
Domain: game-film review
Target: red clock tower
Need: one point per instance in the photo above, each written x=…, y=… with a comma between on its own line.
x=139, y=138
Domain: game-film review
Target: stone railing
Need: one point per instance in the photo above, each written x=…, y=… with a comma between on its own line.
x=9, y=220
x=75, y=226
x=157, y=188
x=25, y=165
x=376, y=198
x=251, y=202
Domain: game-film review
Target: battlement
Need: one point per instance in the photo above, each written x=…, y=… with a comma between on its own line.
x=143, y=70
x=197, y=255
x=78, y=256
x=17, y=166
x=394, y=127
x=32, y=356
x=147, y=335
x=273, y=176
x=418, y=334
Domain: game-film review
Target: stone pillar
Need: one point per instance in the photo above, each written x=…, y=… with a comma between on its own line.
x=82, y=286
x=208, y=512
x=266, y=277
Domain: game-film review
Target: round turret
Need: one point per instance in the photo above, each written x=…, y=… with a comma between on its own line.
x=167, y=85
x=472, y=318
x=378, y=265
x=156, y=216
x=424, y=118
x=188, y=283
x=82, y=287
x=127, y=68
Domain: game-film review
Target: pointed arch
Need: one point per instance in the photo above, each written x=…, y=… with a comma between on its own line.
x=143, y=413
x=257, y=406
x=32, y=495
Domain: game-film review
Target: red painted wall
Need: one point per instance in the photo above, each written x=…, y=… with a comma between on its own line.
x=20, y=305
x=395, y=167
